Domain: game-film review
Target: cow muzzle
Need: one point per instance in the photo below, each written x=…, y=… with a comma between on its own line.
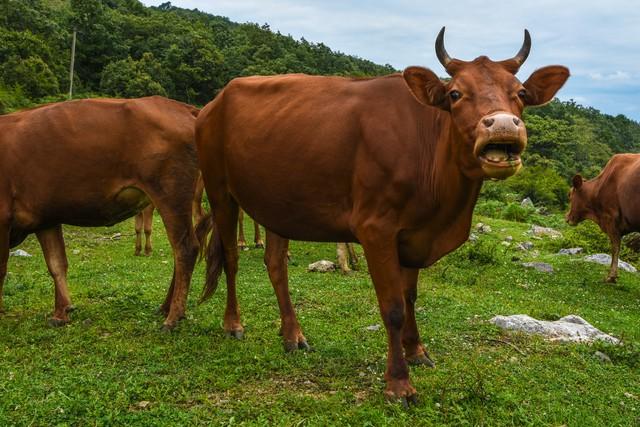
x=501, y=138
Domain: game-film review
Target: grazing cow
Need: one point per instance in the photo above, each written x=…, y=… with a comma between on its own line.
x=144, y=219
x=95, y=163
x=395, y=163
x=611, y=200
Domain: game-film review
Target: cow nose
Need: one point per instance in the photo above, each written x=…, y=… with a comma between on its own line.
x=502, y=123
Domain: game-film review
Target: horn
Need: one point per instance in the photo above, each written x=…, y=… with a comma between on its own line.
x=441, y=52
x=522, y=55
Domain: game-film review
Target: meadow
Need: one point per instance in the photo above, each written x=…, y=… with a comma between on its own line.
x=114, y=366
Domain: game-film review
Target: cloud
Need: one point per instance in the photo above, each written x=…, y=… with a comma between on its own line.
x=618, y=75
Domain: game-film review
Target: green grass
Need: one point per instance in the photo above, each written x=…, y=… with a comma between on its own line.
x=113, y=357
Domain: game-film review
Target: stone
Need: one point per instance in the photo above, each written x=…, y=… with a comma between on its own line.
x=508, y=239
x=570, y=328
x=605, y=259
x=526, y=203
x=602, y=357
x=542, y=267
x=116, y=236
x=570, y=251
x=473, y=237
x=76, y=251
x=505, y=243
x=524, y=246
x=373, y=328
x=20, y=253
x=322, y=266
x=483, y=228
x=539, y=231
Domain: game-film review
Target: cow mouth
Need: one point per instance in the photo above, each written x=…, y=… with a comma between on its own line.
x=500, y=158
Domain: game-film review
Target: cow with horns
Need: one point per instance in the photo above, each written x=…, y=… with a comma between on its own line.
x=395, y=163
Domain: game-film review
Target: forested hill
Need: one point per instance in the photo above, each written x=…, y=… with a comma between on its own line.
x=125, y=49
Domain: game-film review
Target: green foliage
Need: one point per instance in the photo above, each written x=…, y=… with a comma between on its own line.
x=542, y=185
x=32, y=75
x=131, y=79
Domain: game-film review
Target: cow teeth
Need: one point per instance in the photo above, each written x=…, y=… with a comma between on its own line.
x=496, y=155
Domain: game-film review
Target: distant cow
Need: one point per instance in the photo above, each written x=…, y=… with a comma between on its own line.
x=144, y=220
x=395, y=163
x=95, y=163
x=257, y=239
x=611, y=200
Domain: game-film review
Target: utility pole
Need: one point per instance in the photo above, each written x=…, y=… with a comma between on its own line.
x=73, y=59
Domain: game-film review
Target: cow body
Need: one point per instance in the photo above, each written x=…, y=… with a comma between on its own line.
x=395, y=163
x=96, y=163
x=611, y=200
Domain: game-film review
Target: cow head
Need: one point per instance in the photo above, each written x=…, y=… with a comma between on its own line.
x=485, y=100
x=579, y=202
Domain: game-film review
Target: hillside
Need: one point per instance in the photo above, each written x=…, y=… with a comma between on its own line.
x=125, y=49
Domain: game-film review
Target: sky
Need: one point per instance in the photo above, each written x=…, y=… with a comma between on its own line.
x=598, y=41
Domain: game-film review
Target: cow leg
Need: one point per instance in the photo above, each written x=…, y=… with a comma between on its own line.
x=138, y=226
x=414, y=351
x=257, y=239
x=353, y=258
x=389, y=279
x=198, y=211
x=166, y=305
x=342, y=253
x=177, y=221
x=148, y=225
x=227, y=215
x=615, y=239
x=275, y=258
x=4, y=259
x=242, y=244
x=52, y=243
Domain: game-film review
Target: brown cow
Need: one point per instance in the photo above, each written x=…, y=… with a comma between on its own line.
x=611, y=200
x=144, y=219
x=95, y=163
x=394, y=163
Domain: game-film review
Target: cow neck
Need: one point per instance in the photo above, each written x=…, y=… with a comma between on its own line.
x=448, y=184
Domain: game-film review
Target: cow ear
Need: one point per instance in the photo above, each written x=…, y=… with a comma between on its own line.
x=426, y=87
x=543, y=84
x=577, y=181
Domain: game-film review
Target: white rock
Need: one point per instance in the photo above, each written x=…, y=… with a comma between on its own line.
x=524, y=246
x=75, y=251
x=605, y=259
x=483, y=228
x=570, y=328
x=473, y=237
x=542, y=267
x=603, y=357
x=20, y=252
x=322, y=266
x=570, y=251
x=508, y=239
x=539, y=231
x=373, y=328
x=526, y=203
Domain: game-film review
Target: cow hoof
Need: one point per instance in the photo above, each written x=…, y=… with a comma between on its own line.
x=402, y=391
x=421, y=360
x=259, y=245
x=56, y=323
x=148, y=253
x=162, y=311
x=167, y=327
x=291, y=346
x=137, y=253
x=237, y=334
x=611, y=280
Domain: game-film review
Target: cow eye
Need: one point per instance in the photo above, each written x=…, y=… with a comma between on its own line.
x=522, y=93
x=455, y=95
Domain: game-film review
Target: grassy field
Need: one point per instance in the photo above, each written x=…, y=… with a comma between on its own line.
x=113, y=366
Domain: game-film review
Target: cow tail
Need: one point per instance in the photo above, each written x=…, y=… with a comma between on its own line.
x=213, y=252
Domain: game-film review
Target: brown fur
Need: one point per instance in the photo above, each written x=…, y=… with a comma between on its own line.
x=369, y=161
x=611, y=200
x=96, y=163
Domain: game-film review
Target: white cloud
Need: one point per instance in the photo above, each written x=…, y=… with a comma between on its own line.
x=618, y=75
